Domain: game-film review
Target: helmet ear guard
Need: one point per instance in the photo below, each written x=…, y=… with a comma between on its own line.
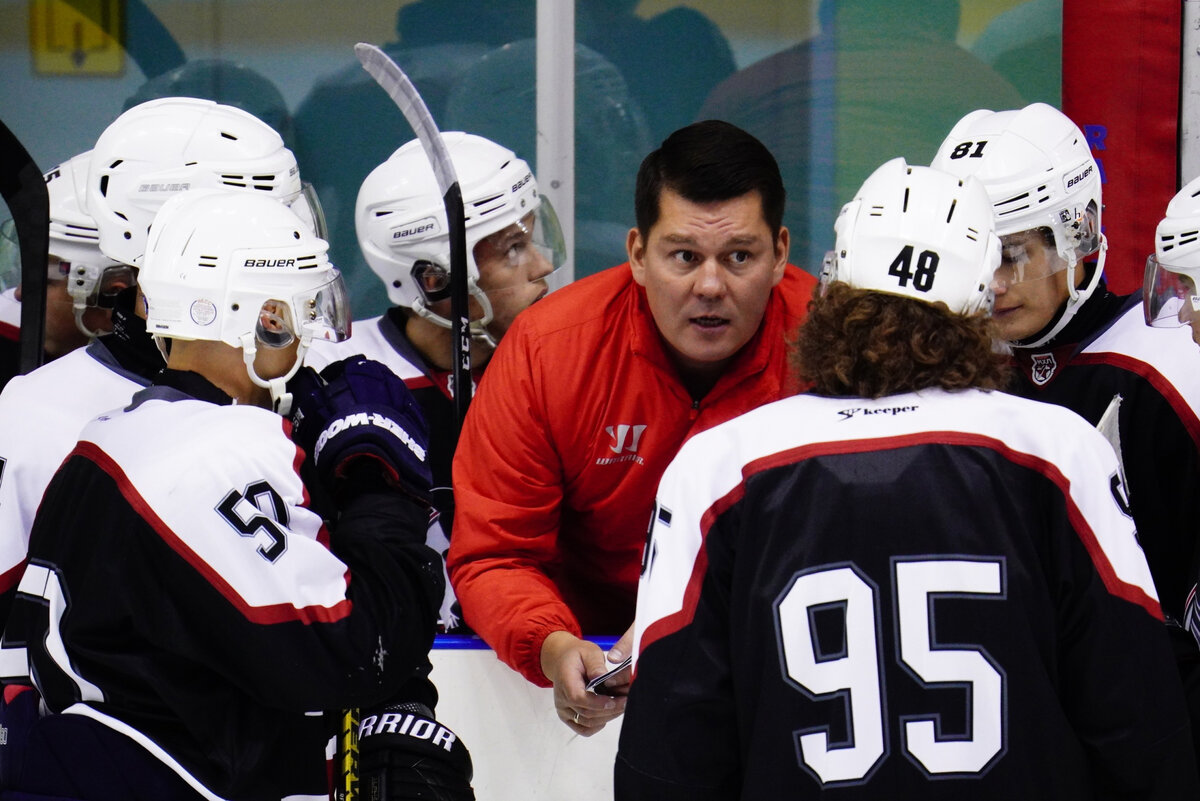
x=431, y=280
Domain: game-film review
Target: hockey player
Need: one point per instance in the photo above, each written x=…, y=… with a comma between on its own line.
x=78, y=302
x=145, y=156
x=1169, y=294
x=514, y=244
x=901, y=585
x=1077, y=344
x=188, y=614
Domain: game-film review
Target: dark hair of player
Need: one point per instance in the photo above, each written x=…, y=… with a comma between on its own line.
x=867, y=344
x=708, y=162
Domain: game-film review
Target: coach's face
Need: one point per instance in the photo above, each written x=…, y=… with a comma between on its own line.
x=708, y=270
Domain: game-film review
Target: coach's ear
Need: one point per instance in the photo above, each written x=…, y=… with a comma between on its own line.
x=635, y=247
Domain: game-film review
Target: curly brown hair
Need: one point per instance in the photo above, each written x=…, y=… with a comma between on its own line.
x=870, y=344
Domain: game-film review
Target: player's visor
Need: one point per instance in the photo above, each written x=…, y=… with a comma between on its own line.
x=308, y=208
x=1169, y=298
x=324, y=313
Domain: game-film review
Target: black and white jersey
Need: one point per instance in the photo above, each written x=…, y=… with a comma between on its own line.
x=1108, y=360
x=934, y=595
x=41, y=415
x=180, y=591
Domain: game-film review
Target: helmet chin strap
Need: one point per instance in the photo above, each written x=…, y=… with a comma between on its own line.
x=281, y=399
x=478, y=328
x=79, y=310
x=1076, y=297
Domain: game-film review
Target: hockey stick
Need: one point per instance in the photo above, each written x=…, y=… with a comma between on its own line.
x=393, y=80
x=398, y=86
x=24, y=190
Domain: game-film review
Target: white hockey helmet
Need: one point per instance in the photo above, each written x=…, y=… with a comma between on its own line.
x=242, y=269
x=92, y=277
x=400, y=219
x=162, y=147
x=920, y=233
x=1040, y=174
x=1169, y=293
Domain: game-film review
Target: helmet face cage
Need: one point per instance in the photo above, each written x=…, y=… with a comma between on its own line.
x=401, y=221
x=919, y=233
x=162, y=147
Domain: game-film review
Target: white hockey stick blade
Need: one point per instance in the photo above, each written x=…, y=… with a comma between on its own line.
x=398, y=86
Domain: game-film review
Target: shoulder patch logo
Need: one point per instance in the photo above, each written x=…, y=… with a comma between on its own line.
x=1043, y=367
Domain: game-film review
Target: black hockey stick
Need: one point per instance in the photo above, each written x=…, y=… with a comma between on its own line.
x=24, y=190
x=393, y=80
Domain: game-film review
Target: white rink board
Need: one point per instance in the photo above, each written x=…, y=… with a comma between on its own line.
x=520, y=749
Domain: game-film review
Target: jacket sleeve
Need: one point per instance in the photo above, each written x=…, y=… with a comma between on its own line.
x=508, y=490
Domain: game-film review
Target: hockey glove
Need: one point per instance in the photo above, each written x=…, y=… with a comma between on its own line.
x=403, y=754
x=357, y=412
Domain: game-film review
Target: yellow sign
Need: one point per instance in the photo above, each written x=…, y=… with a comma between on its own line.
x=79, y=37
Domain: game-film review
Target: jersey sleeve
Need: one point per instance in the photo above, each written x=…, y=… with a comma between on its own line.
x=682, y=667
x=508, y=489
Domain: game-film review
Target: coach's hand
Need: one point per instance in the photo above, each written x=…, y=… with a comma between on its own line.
x=568, y=662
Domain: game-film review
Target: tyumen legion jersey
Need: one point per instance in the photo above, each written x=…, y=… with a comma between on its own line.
x=934, y=595
x=383, y=339
x=41, y=415
x=179, y=591
x=1108, y=356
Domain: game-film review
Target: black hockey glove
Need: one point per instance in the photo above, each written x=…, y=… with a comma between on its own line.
x=404, y=754
x=357, y=416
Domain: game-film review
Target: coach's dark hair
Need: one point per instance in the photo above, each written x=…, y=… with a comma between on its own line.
x=706, y=162
x=870, y=344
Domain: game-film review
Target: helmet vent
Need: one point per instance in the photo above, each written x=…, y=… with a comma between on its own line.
x=953, y=205
x=876, y=211
x=905, y=206
x=972, y=234
x=227, y=135
x=1188, y=237
x=306, y=262
x=1004, y=207
x=207, y=261
x=104, y=186
x=480, y=206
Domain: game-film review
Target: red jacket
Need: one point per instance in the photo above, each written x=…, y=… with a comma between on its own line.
x=576, y=418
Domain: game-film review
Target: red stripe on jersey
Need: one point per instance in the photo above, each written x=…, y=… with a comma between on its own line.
x=10, y=331
x=11, y=577
x=297, y=461
x=274, y=613
x=1112, y=582
x=1183, y=409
